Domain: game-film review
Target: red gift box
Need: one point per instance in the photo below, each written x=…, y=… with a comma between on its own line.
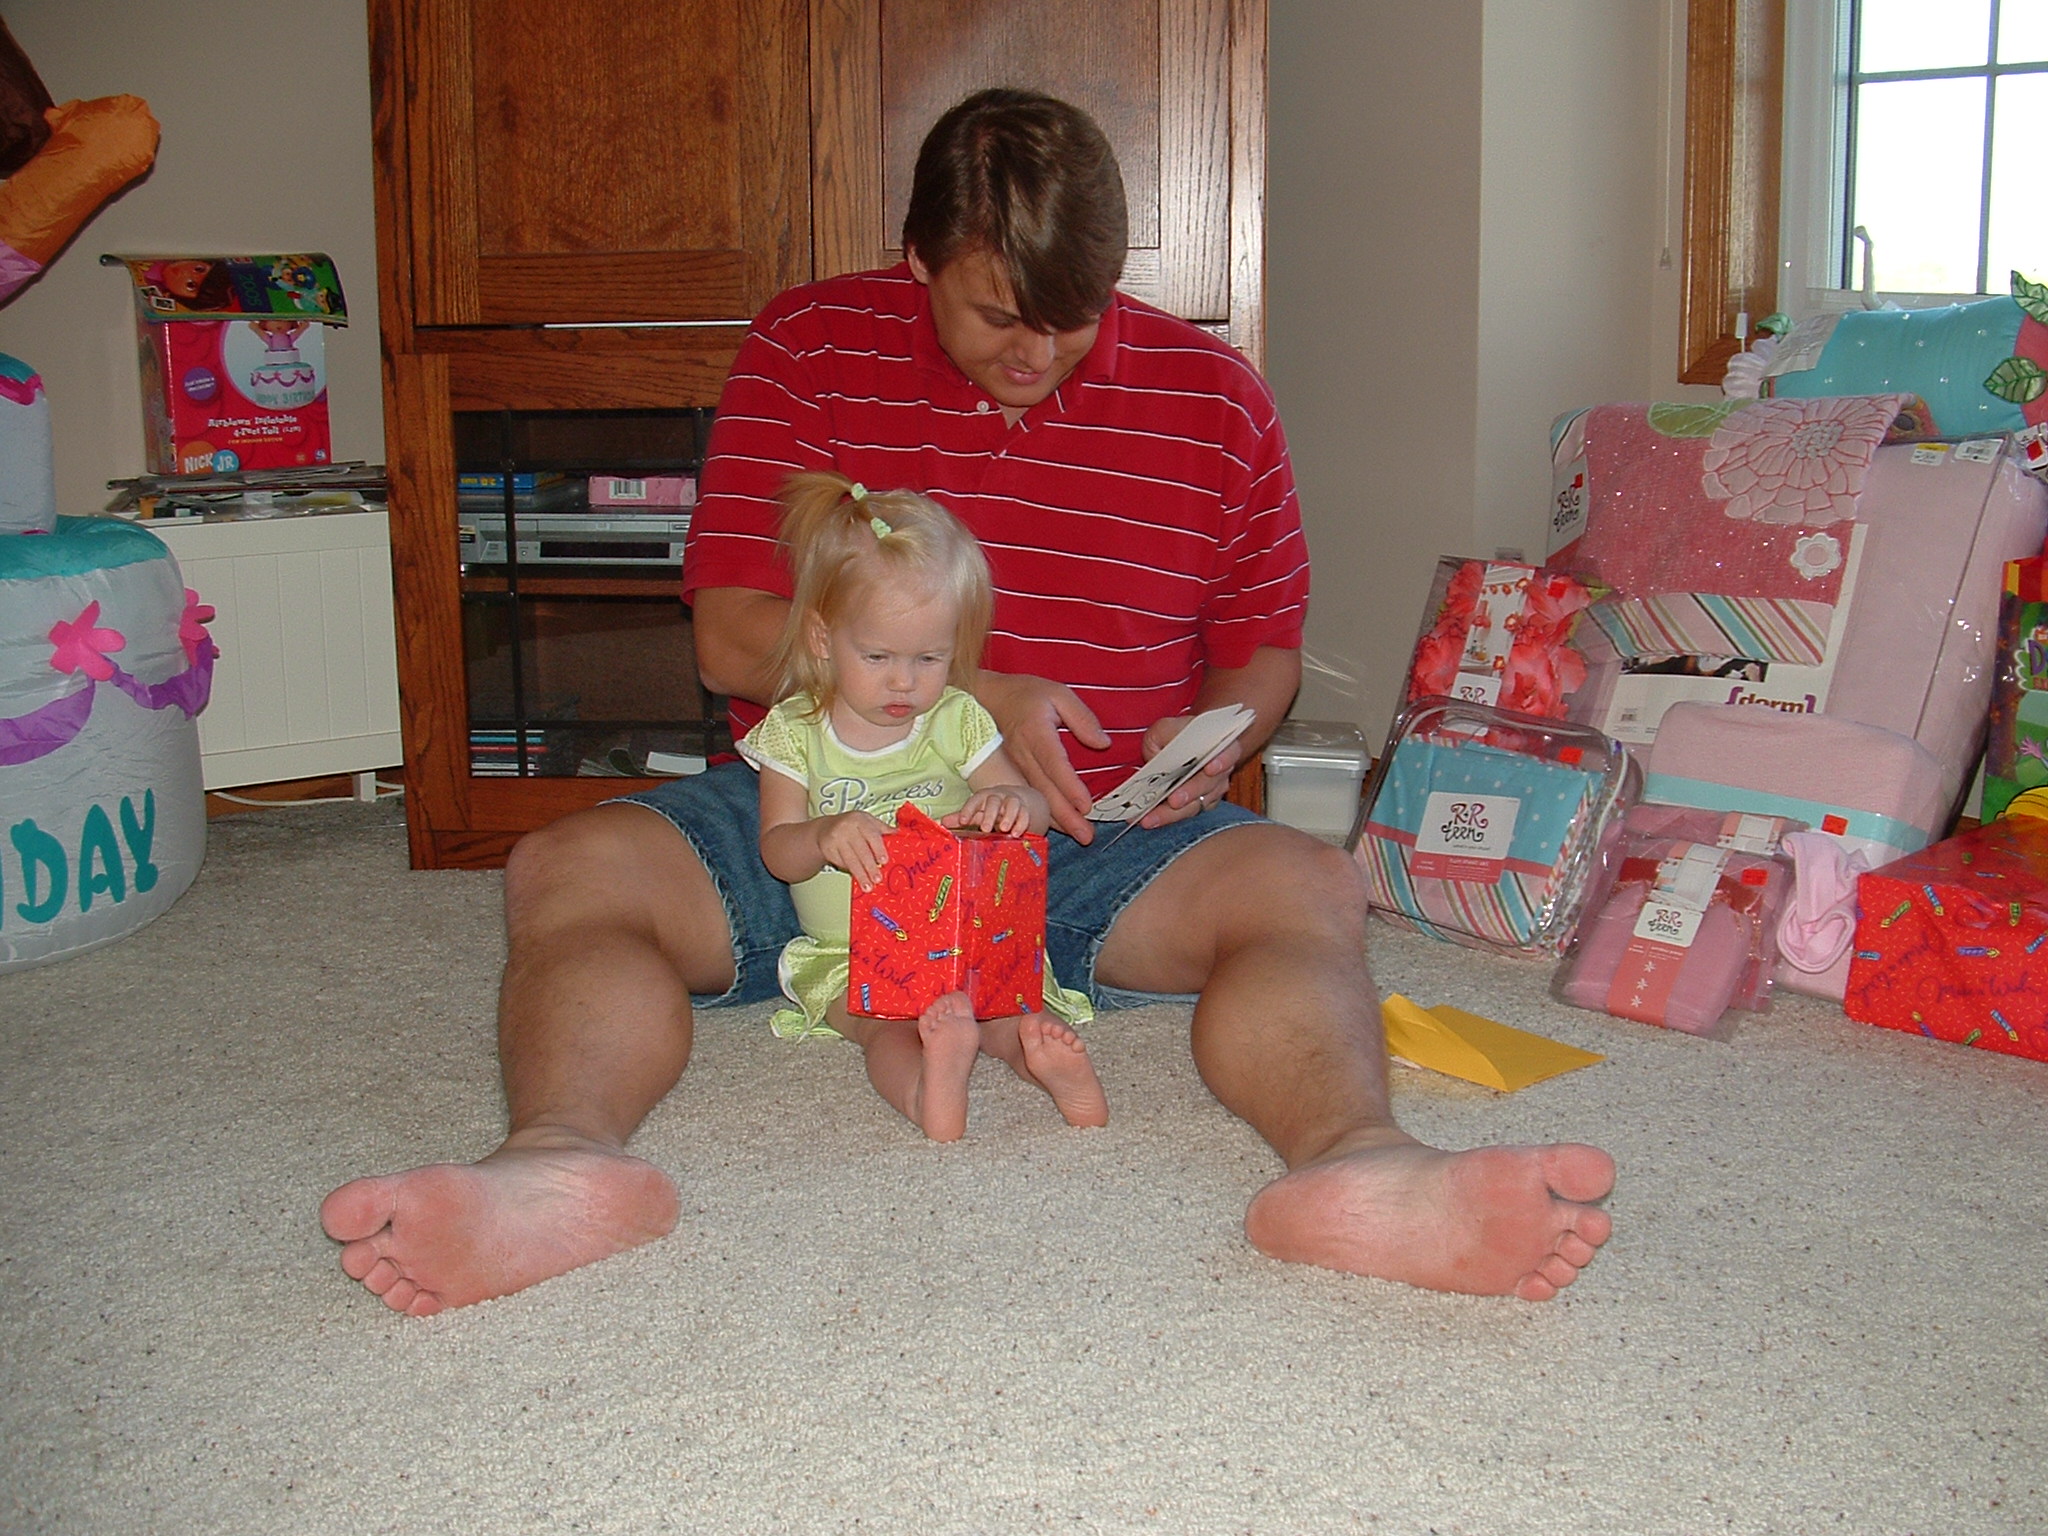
x=1952, y=941
x=953, y=912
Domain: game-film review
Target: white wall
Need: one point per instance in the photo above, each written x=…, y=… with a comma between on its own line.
x=1570, y=237
x=1372, y=282
x=1468, y=211
x=266, y=148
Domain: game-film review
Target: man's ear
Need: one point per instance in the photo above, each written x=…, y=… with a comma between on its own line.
x=918, y=269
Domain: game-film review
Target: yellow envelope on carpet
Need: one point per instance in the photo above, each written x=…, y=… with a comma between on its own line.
x=1479, y=1050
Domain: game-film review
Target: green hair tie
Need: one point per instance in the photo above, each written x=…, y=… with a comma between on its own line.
x=857, y=491
x=882, y=529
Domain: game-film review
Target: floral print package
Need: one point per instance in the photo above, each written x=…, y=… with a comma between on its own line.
x=1498, y=632
x=1722, y=529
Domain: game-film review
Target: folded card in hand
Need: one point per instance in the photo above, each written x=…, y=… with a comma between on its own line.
x=1174, y=764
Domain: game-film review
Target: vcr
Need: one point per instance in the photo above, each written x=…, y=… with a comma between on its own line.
x=574, y=538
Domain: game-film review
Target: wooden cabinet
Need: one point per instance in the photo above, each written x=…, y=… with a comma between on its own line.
x=581, y=202
x=1177, y=85
x=600, y=160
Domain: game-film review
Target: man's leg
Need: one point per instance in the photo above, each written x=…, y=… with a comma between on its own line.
x=1269, y=926
x=611, y=924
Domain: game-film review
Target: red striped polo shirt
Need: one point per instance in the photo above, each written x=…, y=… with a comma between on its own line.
x=1140, y=523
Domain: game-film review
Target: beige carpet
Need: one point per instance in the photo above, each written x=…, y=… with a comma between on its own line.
x=1822, y=1310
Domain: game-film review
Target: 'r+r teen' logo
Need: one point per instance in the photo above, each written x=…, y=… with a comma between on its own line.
x=1466, y=824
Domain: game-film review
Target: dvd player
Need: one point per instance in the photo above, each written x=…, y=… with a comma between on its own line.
x=578, y=538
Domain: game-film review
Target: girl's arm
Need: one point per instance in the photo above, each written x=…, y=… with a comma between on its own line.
x=1002, y=801
x=795, y=845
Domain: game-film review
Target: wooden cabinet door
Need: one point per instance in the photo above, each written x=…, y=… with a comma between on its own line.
x=597, y=160
x=1178, y=86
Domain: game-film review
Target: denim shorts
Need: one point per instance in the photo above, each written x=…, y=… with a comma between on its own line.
x=1088, y=887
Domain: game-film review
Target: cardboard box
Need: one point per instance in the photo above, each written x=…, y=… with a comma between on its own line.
x=1908, y=644
x=1952, y=941
x=234, y=361
x=953, y=912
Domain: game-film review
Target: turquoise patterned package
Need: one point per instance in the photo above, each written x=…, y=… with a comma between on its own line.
x=1490, y=828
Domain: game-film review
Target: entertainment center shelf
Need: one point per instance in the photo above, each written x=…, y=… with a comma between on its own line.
x=537, y=320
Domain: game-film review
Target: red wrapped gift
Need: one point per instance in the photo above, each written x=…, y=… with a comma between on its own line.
x=1952, y=941
x=953, y=912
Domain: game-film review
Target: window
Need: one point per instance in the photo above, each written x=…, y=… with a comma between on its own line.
x=1911, y=120
x=1734, y=89
x=1916, y=121
x=1945, y=105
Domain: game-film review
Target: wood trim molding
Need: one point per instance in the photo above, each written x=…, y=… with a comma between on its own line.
x=1248, y=70
x=1734, y=102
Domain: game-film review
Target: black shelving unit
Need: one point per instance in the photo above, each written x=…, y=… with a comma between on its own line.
x=579, y=669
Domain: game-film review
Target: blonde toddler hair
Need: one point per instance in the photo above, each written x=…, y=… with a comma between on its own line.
x=844, y=544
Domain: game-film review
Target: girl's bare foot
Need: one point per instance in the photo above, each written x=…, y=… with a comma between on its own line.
x=451, y=1234
x=1058, y=1062
x=951, y=1041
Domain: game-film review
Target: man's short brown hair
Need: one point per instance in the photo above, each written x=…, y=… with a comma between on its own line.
x=1032, y=182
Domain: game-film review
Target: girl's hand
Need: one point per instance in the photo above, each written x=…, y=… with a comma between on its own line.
x=853, y=842
x=1004, y=809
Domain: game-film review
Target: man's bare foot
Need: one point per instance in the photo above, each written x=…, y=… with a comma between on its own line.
x=451, y=1234
x=1059, y=1064
x=1491, y=1222
x=952, y=1041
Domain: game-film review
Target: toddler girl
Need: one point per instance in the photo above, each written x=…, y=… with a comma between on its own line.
x=883, y=637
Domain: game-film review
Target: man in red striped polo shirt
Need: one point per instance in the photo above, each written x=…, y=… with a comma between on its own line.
x=1128, y=477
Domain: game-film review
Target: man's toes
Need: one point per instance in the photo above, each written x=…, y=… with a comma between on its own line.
x=359, y=1209
x=1535, y=1288
x=358, y=1259
x=1558, y=1271
x=1575, y=1250
x=382, y=1276
x=1577, y=1171
x=426, y=1304
x=401, y=1294
x=1592, y=1227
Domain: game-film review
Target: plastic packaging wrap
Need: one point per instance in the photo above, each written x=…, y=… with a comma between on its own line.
x=1688, y=931
x=1490, y=828
x=1495, y=632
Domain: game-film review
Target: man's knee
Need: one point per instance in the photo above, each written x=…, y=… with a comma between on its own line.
x=1293, y=883
x=606, y=861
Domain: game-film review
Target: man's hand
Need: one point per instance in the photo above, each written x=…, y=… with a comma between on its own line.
x=1205, y=789
x=1030, y=711
x=1267, y=683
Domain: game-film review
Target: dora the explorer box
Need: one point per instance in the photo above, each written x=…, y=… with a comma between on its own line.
x=234, y=360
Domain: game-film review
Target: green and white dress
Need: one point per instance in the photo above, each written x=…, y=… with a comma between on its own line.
x=930, y=767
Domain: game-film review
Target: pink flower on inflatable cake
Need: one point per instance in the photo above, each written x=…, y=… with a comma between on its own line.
x=1795, y=461
x=82, y=647
x=192, y=626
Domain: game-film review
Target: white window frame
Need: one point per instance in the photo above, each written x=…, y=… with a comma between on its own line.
x=1810, y=221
